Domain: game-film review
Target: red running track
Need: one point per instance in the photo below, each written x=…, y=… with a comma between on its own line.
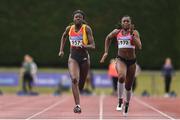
x=93, y=107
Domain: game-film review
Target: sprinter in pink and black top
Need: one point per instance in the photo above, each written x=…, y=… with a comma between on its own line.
x=128, y=40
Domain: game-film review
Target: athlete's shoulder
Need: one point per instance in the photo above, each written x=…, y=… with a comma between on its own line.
x=136, y=32
x=87, y=27
x=116, y=31
x=113, y=33
x=68, y=27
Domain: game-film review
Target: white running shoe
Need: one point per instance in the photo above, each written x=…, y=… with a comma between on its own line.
x=119, y=107
x=77, y=109
x=126, y=107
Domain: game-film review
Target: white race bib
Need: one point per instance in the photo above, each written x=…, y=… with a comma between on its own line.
x=124, y=43
x=76, y=43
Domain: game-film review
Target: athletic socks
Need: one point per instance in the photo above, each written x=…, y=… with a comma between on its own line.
x=78, y=105
x=126, y=103
x=120, y=104
x=120, y=88
x=120, y=91
x=126, y=107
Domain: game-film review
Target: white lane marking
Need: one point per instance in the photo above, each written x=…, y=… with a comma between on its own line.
x=101, y=106
x=46, y=109
x=153, y=108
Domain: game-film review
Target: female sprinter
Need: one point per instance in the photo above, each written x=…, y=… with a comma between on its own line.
x=128, y=40
x=81, y=39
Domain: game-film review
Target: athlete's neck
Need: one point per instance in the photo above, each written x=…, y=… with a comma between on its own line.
x=125, y=31
x=78, y=27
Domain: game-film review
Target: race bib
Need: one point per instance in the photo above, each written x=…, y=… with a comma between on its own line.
x=124, y=43
x=76, y=43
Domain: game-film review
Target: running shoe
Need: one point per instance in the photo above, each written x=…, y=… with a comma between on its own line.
x=120, y=105
x=126, y=107
x=77, y=109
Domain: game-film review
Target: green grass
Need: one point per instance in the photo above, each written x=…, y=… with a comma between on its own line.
x=152, y=81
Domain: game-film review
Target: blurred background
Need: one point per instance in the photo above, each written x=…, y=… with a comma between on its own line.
x=35, y=26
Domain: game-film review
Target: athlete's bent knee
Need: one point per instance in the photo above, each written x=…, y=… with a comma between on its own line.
x=74, y=81
x=127, y=87
x=121, y=78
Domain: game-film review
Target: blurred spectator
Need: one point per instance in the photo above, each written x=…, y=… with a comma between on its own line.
x=167, y=72
x=28, y=73
x=113, y=74
x=62, y=86
x=138, y=70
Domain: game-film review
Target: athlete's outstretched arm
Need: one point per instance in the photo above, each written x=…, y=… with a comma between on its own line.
x=137, y=40
x=63, y=41
x=90, y=37
x=107, y=44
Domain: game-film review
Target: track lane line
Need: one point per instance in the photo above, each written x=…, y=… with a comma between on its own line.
x=47, y=108
x=101, y=106
x=153, y=108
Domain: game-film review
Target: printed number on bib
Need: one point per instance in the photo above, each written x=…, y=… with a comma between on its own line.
x=123, y=43
x=76, y=43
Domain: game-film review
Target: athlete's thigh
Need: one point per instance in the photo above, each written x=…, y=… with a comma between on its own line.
x=84, y=68
x=130, y=74
x=121, y=68
x=73, y=68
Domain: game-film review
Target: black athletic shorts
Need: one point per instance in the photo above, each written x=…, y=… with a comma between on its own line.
x=127, y=62
x=80, y=55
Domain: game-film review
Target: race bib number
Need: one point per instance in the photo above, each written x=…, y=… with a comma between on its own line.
x=123, y=43
x=76, y=43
